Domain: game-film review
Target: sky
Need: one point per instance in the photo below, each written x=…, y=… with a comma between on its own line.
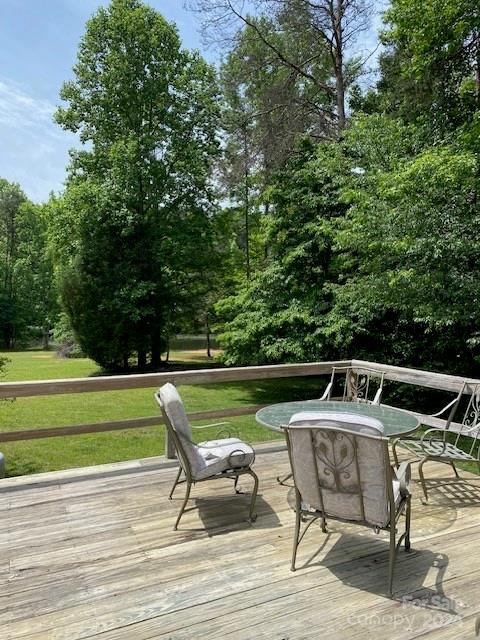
x=39, y=40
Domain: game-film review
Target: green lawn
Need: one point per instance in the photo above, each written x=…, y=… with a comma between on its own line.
x=76, y=451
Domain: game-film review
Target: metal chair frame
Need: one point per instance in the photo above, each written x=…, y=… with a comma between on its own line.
x=357, y=384
x=403, y=507
x=190, y=480
x=433, y=445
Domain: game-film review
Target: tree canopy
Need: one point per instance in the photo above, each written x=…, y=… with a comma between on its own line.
x=133, y=231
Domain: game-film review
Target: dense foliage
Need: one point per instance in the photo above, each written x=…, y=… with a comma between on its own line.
x=27, y=294
x=373, y=241
x=335, y=220
x=132, y=233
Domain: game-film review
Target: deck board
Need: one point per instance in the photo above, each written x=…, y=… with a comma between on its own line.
x=91, y=554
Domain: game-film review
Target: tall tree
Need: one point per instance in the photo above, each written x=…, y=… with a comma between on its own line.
x=11, y=200
x=430, y=68
x=279, y=315
x=330, y=26
x=135, y=224
x=27, y=291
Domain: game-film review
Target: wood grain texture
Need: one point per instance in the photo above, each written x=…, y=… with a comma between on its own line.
x=205, y=376
x=147, y=380
x=90, y=554
x=117, y=425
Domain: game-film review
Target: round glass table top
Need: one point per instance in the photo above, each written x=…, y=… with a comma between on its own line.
x=396, y=422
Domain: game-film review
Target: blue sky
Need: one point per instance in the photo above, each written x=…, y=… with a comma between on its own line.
x=39, y=40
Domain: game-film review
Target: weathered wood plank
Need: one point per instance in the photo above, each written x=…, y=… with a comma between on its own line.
x=150, y=380
x=97, y=559
x=118, y=425
x=430, y=379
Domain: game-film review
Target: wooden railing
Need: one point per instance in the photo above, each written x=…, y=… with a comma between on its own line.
x=203, y=376
x=149, y=380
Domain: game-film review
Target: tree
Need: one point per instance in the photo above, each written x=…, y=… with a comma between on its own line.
x=407, y=249
x=27, y=293
x=11, y=200
x=331, y=27
x=430, y=69
x=279, y=315
x=134, y=227
x=37, y=294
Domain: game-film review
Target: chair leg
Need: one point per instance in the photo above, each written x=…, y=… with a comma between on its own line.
x=454, y=469
x=391, y=559
x=235, y=483
x=282, y=481
x=251, y=516
x=407, y=523
x=324, y=524
x=298, y=517
x=394, y=453
x=175, y=483
x=182, y=509
x=422, y=477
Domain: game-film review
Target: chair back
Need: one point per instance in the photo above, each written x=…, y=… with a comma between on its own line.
x=470, y=425
x=341, y=466
x=179, y=429
x=355, y=384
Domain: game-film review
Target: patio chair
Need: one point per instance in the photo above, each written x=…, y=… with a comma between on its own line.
x=341, y=470
x=413, y=442
x=442, y=444
x=210, y=460
x=359, y=385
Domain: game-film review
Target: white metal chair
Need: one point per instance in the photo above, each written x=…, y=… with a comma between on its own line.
x=358, y=385
x=442, y=444
x=341, y=470
x=210, y=460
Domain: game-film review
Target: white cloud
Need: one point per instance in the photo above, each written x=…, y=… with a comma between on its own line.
x=34, y=150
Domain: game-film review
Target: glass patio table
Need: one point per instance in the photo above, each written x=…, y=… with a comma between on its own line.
x=396, y=422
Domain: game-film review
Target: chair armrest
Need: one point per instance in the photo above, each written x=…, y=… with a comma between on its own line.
x=326, y=393
x=403, y=474
x=208, y=426
x=378, y=396
x=447, y=406
x=226, y=430
x=429, y=436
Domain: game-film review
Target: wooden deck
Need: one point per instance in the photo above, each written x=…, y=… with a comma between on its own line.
x=90, y=553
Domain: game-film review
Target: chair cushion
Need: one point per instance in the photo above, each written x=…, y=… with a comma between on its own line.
x=173, y=407
x=351, y=421
x=222, y=455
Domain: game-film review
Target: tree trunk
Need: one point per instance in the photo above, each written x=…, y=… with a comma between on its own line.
x=207, y=330
x=167, y=355
x=338, y=64
x=246, y=203
x=156, y=358
x=142, y=360
x=45, y=338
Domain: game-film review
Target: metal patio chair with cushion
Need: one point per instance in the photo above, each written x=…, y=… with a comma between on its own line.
x=357, y=385
x=341, y=470
x=210, y=460
x=456, y=441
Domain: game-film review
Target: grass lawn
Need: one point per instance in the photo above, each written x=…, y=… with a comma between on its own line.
x=50, y=454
